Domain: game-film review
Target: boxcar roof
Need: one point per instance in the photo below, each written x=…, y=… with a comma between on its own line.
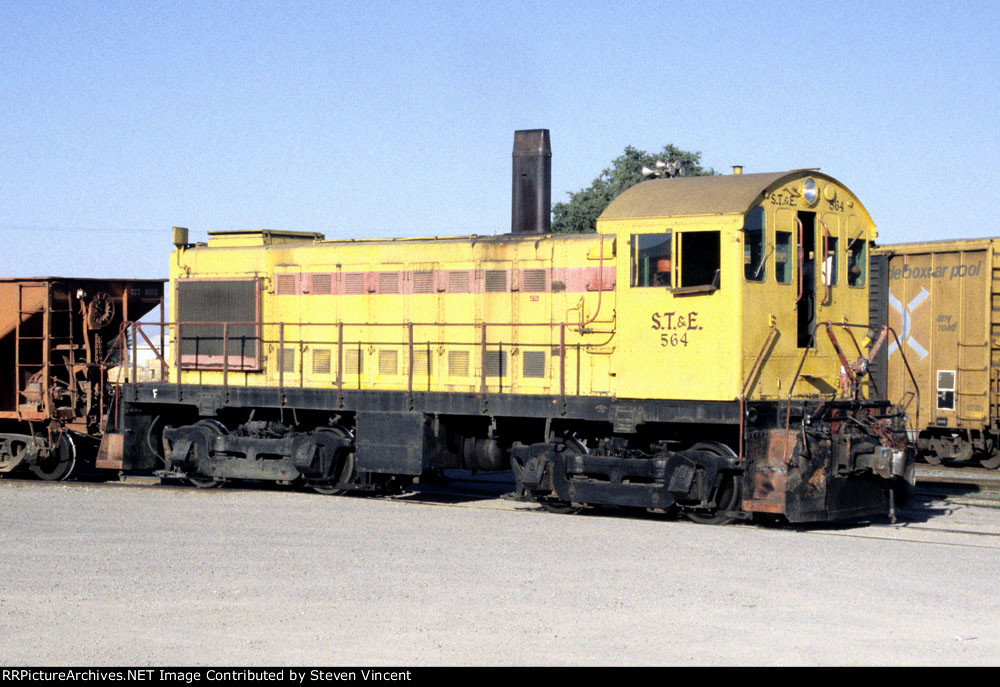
x=709, y=195
x=938, y=245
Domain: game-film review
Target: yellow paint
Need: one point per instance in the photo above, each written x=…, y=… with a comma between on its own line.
x=659, y=342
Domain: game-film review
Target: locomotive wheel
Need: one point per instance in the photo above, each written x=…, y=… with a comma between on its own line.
x=728, y=495
x=342, y=473
x=205, y=481
x=574, y=447
x=60, y=464
x=154, y=438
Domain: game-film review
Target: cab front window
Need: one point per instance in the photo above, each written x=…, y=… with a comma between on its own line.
x=754, y=253
x=857, y=262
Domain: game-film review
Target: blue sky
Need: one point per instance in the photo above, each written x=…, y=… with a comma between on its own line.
x=119, y=120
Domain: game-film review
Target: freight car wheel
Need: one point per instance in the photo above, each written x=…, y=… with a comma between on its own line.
x=728, y=495
x=931, y=458
x=60, y=464
x=205, y=481
x=343, y=473
x=991, y=461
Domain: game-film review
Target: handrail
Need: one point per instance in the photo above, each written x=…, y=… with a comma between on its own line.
x=600, y=289
x=827, y=276
x=263, y=333
x=753, y=373
x=801, y=246
x=850, y=370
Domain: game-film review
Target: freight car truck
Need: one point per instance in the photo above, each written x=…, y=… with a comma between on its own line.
x=943, y=298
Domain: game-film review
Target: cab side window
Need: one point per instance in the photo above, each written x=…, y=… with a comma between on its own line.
x=652, y=259
x=754, y=253
x=701, y=259
x=857, y=262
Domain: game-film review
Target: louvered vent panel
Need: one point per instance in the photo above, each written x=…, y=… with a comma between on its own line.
x=496, y=364
x=322, y=284
x=423, y=282
x=458, y=363
x=421, y=363
x=321, y=361
x=534, y=280
x=354, y=361
x=458, y=282
x=286, y=359
x=534, y=364
x=284, y=284
x=354, y=282
x=496, y=281
x=388, y=282
x=387, y=362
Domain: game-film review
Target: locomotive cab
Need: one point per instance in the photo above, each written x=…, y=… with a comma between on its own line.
x=754, y=288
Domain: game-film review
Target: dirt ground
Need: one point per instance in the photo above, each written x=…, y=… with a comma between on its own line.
x=139, y=576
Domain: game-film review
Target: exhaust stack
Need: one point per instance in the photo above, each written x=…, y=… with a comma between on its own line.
x=531, y=192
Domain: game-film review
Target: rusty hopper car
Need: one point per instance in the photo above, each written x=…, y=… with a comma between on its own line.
x=944, y=299
x=59, y=340
x=688, y=356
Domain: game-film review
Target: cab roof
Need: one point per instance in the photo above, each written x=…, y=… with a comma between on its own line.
x=707, y=195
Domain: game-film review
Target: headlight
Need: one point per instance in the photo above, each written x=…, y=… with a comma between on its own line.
x=809, y=191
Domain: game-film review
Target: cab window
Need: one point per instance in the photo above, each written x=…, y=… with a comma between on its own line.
x=783, y=256
x=754, y=254
x=831, y=263
x=701, y=260
x=857, y=262
x=652, y=259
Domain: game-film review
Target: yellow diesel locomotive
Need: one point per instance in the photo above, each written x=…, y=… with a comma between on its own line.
x=702, y=352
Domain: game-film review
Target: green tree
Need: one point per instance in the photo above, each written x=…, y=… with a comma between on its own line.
x=580, y=213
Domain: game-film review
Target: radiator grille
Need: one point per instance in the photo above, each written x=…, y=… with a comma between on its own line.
x=218, y=301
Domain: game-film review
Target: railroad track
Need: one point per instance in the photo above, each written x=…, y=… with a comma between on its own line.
x=931, y=480
x=959, y=485
x=937, y=488
x=985, y=480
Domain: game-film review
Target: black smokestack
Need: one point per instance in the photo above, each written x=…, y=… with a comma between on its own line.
x=531, y=193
